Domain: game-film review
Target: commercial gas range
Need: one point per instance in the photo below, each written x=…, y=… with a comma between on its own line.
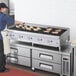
x=41, y=47
x=51, y=36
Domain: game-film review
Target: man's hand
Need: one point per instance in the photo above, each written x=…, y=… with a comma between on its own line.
x=19, y=23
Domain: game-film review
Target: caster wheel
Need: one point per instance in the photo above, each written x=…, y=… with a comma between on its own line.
x=33, y=69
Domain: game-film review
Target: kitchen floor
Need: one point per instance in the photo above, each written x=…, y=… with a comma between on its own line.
x=39, y=72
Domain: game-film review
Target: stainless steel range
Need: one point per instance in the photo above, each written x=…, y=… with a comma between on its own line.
x=37, y=34
x=41, y=47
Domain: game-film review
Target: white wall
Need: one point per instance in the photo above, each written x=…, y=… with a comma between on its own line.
x=11, y=9
x=52, y=12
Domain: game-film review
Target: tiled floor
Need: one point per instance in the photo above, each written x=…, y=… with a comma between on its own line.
x=39, y=72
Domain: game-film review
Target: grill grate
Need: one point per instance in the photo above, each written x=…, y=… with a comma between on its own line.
x=41, y=31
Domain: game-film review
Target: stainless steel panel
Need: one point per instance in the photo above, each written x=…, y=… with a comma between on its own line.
x=24, y=51
x=14, y=50
x=12, y=60
x=75, y=61
x=38, y=39
x=24, y=37
x=44, y=39
x=46, y=56
x=19, y=50
x=66, y=65
x=43, y=60
x=12, y=35
x=51, y=67
x=23, y=61
x=52, y=42
x=74, y=50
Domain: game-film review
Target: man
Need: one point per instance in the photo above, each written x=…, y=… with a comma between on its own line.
x=4, y=19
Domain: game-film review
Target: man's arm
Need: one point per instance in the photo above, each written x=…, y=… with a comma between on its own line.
x=11, y=21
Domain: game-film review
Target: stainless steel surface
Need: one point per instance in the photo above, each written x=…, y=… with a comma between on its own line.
x=42, y=50
x=40, y=55
x=47, y=40
x=75, y=61
x=12, y=60
x=13, y=50
x=66, y=65
x=38, y=37
x=50, y=57
x=22, y=51
x=24, y=61
x=19, y=60
x=74, y=57
x=22, y=55
x=46, y=56
x=65, y=57
x=43, y=65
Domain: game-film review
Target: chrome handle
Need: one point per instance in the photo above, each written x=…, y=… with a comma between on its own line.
x=45, y=56
x=42, y=65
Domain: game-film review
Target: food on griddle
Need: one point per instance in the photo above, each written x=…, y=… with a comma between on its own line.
x=17, y=26
x=46, y=31
x=54, y=32
x=58, y=30
x=20, y=25
x=28, y=28
x=23, y=28
x=36, y=28
x=31, y=27
x=49, y=29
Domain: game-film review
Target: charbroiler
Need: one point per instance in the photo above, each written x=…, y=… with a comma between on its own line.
x=51, y=36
